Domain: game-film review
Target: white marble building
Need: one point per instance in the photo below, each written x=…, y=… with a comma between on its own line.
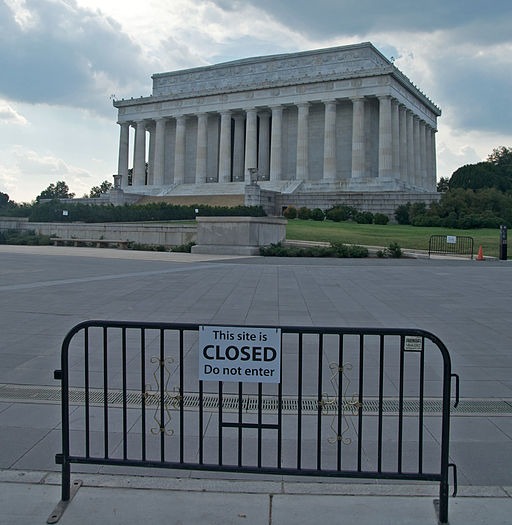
x=342, y=119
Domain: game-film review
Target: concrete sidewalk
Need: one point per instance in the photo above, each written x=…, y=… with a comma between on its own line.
x=30, y=497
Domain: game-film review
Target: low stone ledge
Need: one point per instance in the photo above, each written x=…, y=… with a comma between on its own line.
x=238, y=235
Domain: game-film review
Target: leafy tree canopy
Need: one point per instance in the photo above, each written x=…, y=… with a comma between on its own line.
x=501, y=156
x=495, y=172
x=4, y=200
x=59, y=190
x=103, y=188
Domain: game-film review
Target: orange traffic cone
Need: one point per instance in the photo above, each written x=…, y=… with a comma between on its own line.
x=480, y=256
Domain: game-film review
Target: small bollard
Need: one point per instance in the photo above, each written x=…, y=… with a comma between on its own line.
x=503, y=242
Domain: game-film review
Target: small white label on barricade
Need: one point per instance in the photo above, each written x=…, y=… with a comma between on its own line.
x=240, y=354
x=413, y=343
x=451, y=239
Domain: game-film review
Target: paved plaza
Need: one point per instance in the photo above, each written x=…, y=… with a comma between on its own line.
x=45, y=291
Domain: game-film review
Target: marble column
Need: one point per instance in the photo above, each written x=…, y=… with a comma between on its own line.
x=434, y=159
x=411, y=165
x=151, y=128
x=225, y=147
x=358, y=139
x=139, y=155
x=329, y=174
x=251, y=143
x=428, y=157
x=263, y=146
x=395, y=138
x=179, y=151
x=238, y=148
x=385, y=138
x=124, y=151
x=403, y=143
x=302, y=168
x=159, y=163
x=417, y=164
x=202, y=148
x=423, y=156
x=276, y=140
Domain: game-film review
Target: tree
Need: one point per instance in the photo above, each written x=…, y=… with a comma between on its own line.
x=103, y=188
x=4, y=200
x=480, y=175
x=501, y=156
x=443, y=184
x=59, y=190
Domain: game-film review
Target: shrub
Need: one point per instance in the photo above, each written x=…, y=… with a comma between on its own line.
x=380, y=218
x=349, y=250
x=340, y=213
x=402, y=214
x=364, y=217
x=304, y=213
x=393, y=250
x=30, y=237
x=317, y=214
x=184, y=248
x=337, y=249
x=290, y=212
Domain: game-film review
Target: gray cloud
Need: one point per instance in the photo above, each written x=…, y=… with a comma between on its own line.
x=327, y=18
x=67, y=56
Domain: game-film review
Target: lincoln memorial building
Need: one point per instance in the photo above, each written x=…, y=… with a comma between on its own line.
x=317, y=125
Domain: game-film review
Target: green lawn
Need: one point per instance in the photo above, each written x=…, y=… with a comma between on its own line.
x=378, y=235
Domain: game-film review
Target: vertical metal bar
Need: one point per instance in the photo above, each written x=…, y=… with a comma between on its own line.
x=381, y=397
x=182, y=410
x=125, y=414
x=445, y=438
x=260, y=421
x=320, y=403
x=360, y=404
x=220, y=423
x=401, y=404
x=143, y=391
x=86, y=386
x=66, y=467
x=421, y=412
x=162, y=397
x=339, y=438
x=299, y=404
x=240, y=435
x=201, y=423
x=280, y=421
x=105, y=392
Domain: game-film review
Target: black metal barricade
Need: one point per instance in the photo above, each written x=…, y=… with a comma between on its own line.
x=451, y=245
x=348, y=402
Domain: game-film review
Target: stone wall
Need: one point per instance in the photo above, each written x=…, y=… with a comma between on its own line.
x=378, y=202
x=136, y=232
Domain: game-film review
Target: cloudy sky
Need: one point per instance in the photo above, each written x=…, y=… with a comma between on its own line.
x=61, y=61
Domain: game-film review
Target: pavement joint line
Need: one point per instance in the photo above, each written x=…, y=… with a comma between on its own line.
x=432, y=406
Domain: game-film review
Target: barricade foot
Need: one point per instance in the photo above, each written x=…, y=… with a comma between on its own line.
x=59, y=509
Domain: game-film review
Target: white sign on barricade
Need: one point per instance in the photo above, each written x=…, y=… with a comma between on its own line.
x=241, y=354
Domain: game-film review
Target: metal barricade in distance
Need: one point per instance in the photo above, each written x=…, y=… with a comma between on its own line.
x=459, y=245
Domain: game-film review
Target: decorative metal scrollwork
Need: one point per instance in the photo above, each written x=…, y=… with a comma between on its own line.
x=329, y=404
x=152, y=397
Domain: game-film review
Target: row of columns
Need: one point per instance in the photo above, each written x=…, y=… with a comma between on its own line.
x=406, y=148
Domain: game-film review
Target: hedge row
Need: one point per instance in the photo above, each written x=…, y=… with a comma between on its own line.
x=53, y=212
x=336, y=214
